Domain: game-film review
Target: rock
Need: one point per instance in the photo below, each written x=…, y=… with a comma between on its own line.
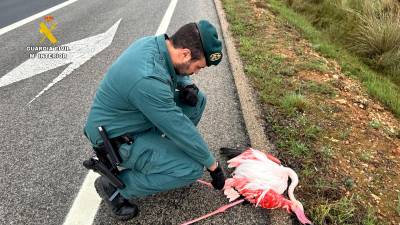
x=378, y=107
x=341, y=101
x=334, y=140
x=396, y=151
x=375, y=197
x=361, y=102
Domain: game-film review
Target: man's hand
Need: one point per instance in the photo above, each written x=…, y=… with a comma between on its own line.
x=217, y=175
x=188, y=95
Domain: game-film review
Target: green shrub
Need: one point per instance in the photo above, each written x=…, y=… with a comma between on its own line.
x=298, y=149
x=377, y=36
x=370, y=218
x=293, y=102
x=376, y=124
x=329, y=16
x=338, y=213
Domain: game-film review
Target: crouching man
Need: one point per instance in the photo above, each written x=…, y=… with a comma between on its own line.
x=148, y=96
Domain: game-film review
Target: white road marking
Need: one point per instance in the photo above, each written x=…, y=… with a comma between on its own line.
x=80, y=52
x=167, y=18
x=87, y=203
x=34, y=17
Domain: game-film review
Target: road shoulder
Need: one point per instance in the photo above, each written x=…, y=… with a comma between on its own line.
x=255, y=125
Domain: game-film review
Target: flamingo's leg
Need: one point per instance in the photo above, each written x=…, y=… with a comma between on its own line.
x=220, y=210
x=204, y=182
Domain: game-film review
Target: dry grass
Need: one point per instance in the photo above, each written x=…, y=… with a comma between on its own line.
x=370, y=29
x=377, y=36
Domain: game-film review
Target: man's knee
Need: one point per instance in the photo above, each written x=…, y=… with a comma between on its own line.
x=197, y=112
x=194, y=113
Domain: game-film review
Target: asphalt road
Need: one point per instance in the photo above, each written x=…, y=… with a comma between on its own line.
x=12, y=11
x=42, y=145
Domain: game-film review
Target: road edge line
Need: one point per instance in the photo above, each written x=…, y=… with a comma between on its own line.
x=86, y=203
x=252, y=114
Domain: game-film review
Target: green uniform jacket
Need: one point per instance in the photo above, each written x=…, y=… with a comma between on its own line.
x=137, y=93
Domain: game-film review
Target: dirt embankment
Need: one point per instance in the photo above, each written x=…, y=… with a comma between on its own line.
x=360, y=136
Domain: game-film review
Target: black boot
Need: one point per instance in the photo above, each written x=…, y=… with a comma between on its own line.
x=121, y=208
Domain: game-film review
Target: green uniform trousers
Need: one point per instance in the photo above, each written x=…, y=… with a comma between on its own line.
x=154, y=163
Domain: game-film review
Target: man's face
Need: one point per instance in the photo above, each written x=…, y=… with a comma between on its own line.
x=189, y=66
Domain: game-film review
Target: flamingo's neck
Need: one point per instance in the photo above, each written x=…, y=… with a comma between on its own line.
x=294, y=182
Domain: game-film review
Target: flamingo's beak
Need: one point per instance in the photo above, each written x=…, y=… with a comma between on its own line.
x=301, y=216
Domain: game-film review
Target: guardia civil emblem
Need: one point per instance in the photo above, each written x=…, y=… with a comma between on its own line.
x=215, y=56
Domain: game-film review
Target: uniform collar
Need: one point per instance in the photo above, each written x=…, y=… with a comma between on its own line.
x=164, y=52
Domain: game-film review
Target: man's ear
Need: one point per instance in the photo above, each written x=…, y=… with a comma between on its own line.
x=187, y=54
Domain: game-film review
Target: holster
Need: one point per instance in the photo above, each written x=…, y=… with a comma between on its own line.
x=106, y=157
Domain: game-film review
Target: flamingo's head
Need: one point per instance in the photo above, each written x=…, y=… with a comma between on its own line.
x=297, y=208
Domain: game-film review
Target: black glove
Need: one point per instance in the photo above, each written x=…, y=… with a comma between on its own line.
x=188, y=95
x=218, y=177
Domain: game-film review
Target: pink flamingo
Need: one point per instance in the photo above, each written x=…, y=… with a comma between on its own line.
x=262, y=180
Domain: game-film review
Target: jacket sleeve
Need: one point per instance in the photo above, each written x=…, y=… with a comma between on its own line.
x=155, y=100
x=183, y=81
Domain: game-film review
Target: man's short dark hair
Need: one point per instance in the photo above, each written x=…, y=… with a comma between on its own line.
x=188, y=37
